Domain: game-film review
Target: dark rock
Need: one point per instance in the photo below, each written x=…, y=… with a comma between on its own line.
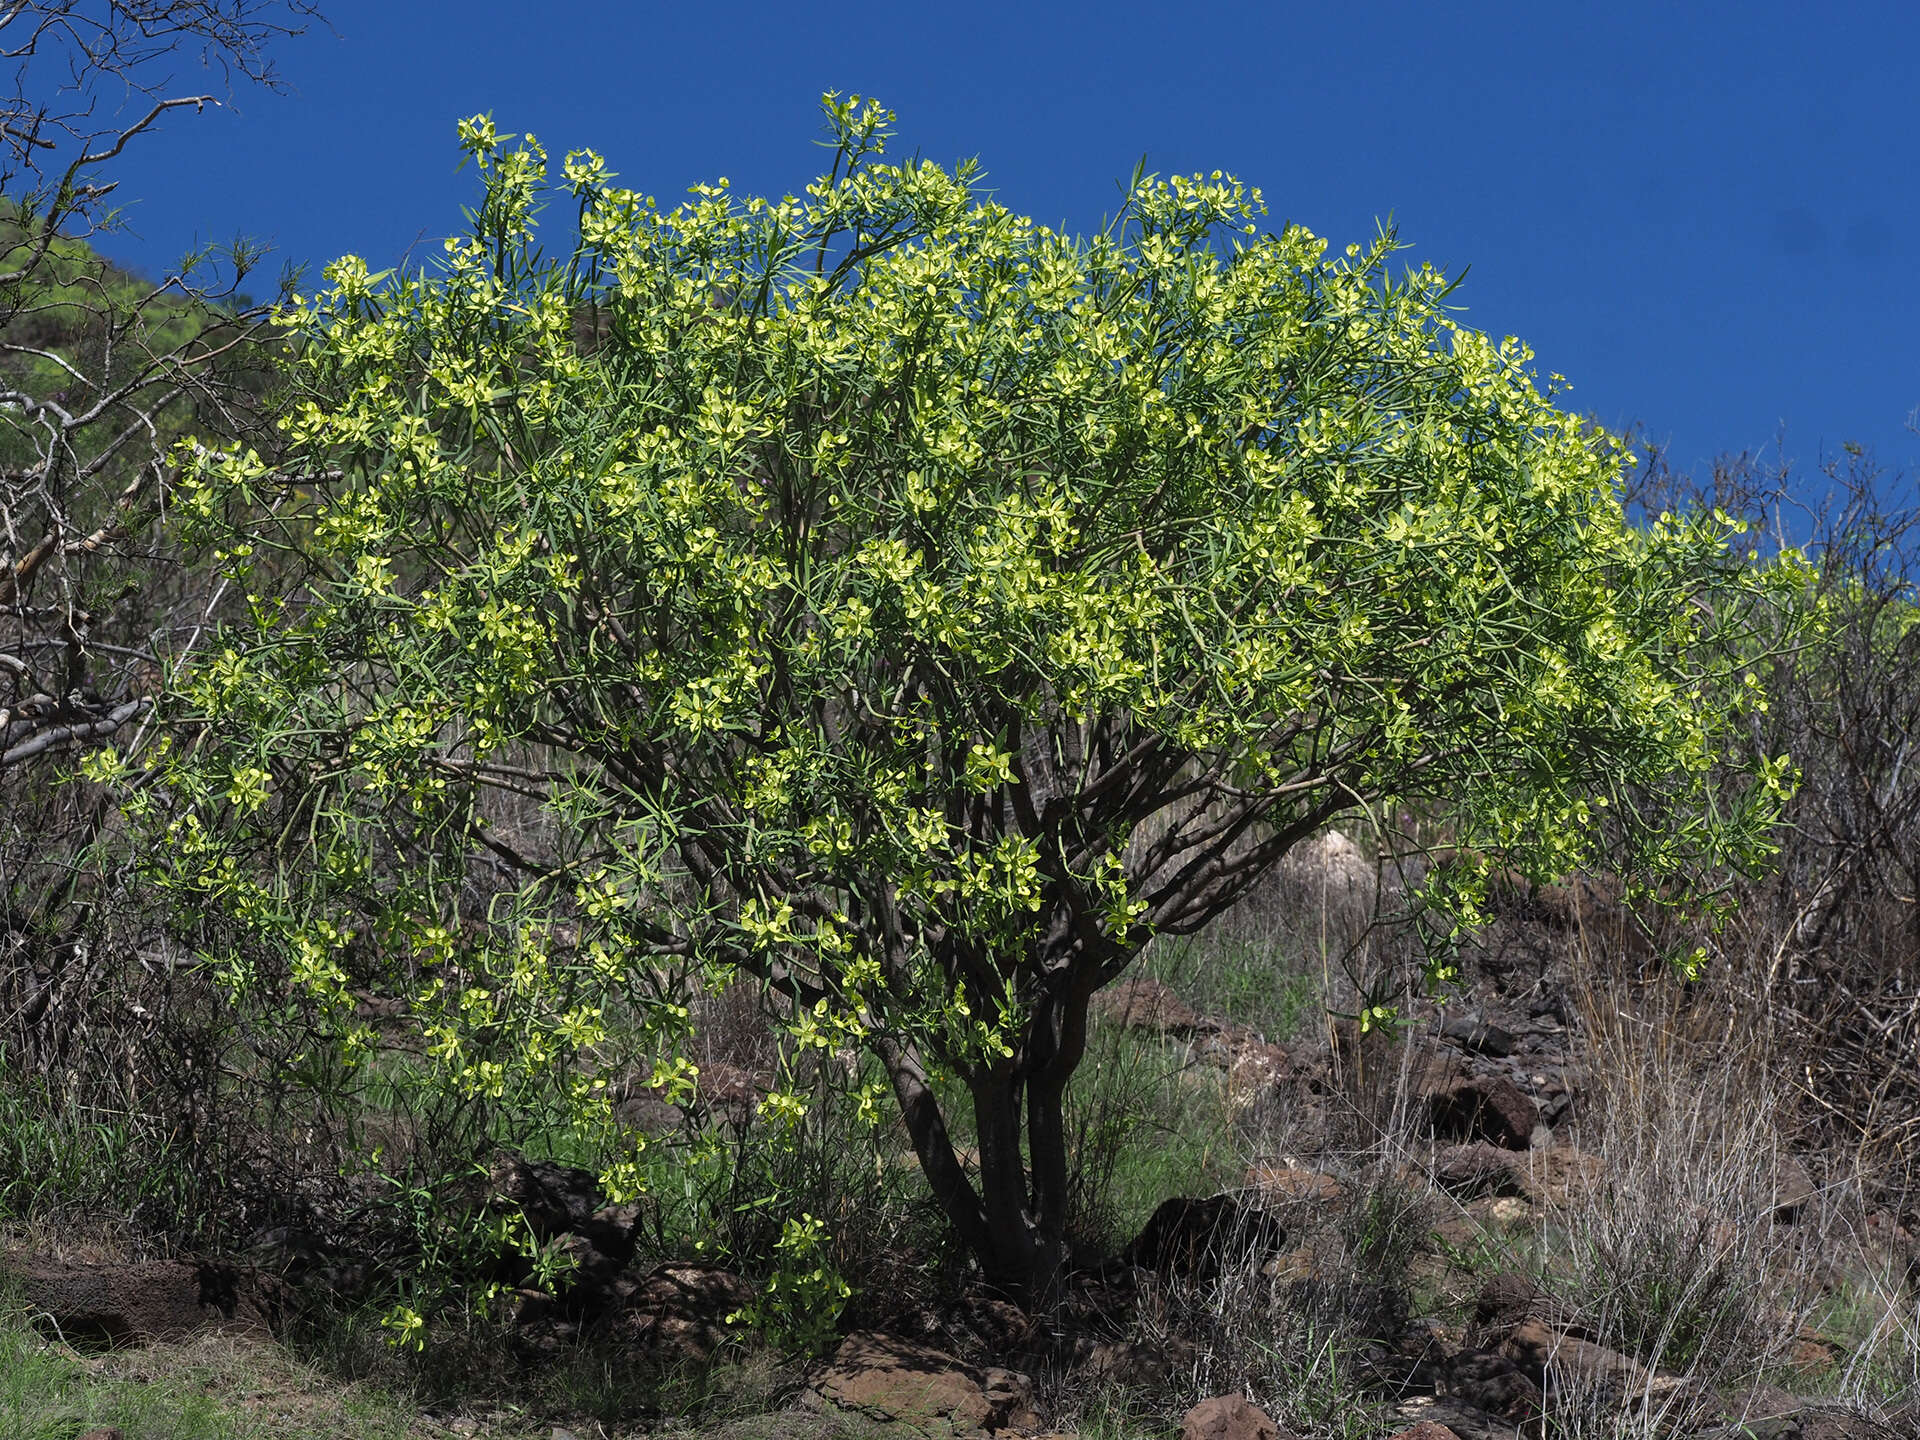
x=290, y=1251
x=1195, y=1238
x=1010, y=1395
x=1555, y=1361
x=1504, y=1301
x=1003, y=1326
x=679, y=1311
x=1470, y=1171
x=1441, y=1416
x=1480, y=1107
x=132, y=1304
x=556, y=1199
x=1422, y=1351
x=643, y=1110
x=378, y=1007
x=1137, y=1365
x=589, y=1282
x=1492, y=1383
x=1811, y=1421
x=561, y=1203
x=1477, y=1035
x=527, y=1307
x=613, y=1231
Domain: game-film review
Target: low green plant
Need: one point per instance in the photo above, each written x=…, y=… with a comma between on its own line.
x=801, y=1301
x=61, y=1158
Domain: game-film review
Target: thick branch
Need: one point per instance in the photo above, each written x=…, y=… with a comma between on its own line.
x=71, y=734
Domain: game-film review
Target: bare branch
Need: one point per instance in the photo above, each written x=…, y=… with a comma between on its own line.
x=62, y=735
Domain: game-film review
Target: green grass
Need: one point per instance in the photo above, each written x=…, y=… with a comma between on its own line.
x=1248, y=982
x=59, y=1158
x=214, y=1389
x=1146, y=1124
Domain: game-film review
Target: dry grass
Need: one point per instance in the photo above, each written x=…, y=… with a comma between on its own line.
x=1705, y=1252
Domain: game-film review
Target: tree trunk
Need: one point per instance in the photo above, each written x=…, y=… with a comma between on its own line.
x=1025, y=1244
x=1015, y=1222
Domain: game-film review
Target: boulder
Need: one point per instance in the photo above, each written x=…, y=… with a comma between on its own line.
x=1555, y=1361
x=1230, y=1417
x=562, y=1207
x=1137, y=1365
x=1143, y=1003
x=1196, y=1238
x=1439, y=1417
x=556, y=1199
x=135, y=1304
x=1470, y=1171
x=1488, y=1381
x=1010, y=1394
x=1417, y=1358
x=1484, y=1107
x=894, y=1380
x=1505, y=1300
x=679, y=1311
x=1333, y=870
x=1477, y=1035
x=1812, y=1421
x=1252, y=1062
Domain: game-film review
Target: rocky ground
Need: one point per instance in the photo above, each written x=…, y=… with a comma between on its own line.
x=1448, y=1230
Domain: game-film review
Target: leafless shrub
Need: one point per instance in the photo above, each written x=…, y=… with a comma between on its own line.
x=101, y=372
x=1828, y=945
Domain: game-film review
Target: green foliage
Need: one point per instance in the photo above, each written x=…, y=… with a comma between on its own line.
x=882, y=595
x=803, y=1297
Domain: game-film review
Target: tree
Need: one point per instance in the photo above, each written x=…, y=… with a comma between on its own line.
x=101, y=371
x=884, y=596
x=98, y=369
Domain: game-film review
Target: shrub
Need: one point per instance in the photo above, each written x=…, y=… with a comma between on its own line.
x=890, y=599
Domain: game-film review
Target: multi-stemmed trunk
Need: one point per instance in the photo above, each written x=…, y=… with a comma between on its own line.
x=1015, y=1219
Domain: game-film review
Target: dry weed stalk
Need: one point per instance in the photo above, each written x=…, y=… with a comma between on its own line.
x=1676, y=1257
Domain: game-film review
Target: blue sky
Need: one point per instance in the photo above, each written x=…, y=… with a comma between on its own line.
x=1705, y=216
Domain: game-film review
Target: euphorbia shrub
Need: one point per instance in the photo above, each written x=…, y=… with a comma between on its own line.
x=887, y=597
